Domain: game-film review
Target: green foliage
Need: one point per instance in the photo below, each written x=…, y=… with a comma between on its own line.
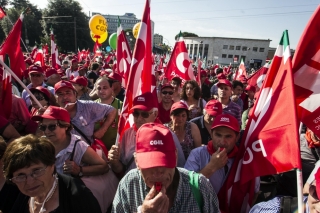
x=186, y=34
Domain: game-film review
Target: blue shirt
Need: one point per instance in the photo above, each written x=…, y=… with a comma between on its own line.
x=26, y=95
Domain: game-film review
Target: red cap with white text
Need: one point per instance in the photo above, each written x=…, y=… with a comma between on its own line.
x=55, y=113
x=227, y=121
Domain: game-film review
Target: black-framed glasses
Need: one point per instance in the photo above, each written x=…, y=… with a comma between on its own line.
x=51, y=127
x=23, y=177
x=143, y=114
x=167, y=92
x=313, y=192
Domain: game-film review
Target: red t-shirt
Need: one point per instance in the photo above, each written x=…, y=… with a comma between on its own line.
x=163, y=115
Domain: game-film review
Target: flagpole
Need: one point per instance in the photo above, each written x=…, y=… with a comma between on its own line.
x=20, y=37
x=20, y=82
x=299, y=188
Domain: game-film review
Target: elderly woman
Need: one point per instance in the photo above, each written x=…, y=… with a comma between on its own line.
x=191, y=97
x=45, y=98
x=74, y=156
x=43, y=190
x=81, y=85
x=187, y=132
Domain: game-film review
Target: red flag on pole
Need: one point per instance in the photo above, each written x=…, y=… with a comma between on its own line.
x=271, y=138
x=258, y=77
x=241, y=70
x=6, y=96
x=306, y=68
x=179, y=63
x=140, y=75
x=2, y=13
x=55, y=62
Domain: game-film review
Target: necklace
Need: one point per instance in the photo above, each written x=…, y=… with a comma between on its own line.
x=48, y=197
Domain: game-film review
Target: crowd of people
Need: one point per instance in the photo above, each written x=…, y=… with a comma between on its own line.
x=59, y=148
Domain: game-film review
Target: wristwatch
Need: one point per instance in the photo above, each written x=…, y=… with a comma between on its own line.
x=80, y=173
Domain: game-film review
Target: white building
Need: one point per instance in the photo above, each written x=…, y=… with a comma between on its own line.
x=157, y=39
x=228, y=50
x=128, y=20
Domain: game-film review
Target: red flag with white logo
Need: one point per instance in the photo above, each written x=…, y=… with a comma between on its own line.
x=179, y=63
x=270, y=143
x=124, y=55
x=306, y=69
x=140, y=74
x=258, y=77
x=241, y=70
x=55, y=62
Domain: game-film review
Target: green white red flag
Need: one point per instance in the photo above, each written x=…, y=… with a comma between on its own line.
x=271, y=138
x=55, y=62
x=306, y=69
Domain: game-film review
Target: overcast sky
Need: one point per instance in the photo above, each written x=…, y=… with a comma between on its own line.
x=209, y=18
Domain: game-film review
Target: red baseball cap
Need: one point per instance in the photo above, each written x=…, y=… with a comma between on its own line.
x=50, y=72
x=203, y=73
x=227, y=121
x=115, y=76
x=45, y=91
x=167, y=85
x=80, y=80
x=35, y=68
x=178, y=105
x=74, y=61
x=242, y=78
x=63, y=84
x=104, y=73
x=28, y=61
x=221, y=76
x=213, y=108
x=155, y=147
x=53, y=112
x=250, y=88
x=144, y=102
x=225, y=82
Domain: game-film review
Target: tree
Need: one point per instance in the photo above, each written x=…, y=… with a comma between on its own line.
x=64, y=26
x=186, y=34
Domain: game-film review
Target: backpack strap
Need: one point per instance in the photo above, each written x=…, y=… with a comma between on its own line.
x=194, y=183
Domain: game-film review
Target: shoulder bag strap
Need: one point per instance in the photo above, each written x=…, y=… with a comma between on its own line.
x=74, y=148
x=81, y=133
x=194, y=183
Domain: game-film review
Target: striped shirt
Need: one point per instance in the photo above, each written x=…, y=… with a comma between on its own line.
x=132, y=191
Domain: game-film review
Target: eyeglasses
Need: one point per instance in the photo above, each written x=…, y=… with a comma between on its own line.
x=35, y=174
x=39, y=98
x=143, y=114
x=51, y=127
x=167, y=92
x=313, y=192
x=36, y=75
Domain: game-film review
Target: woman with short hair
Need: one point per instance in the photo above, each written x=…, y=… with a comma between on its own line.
x=80, y=83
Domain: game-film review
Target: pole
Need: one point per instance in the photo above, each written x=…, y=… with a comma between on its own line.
x=75, y=34
x=299, y=187
x=20, y=37
x=7, y=69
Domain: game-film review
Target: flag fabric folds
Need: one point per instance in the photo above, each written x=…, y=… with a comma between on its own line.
x=55, y=62
x=271, y=138
x=306, y=69
x=258, y=77
x=241, y=70
x=2, y=13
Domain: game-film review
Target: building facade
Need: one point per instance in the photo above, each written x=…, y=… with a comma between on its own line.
x=228, y=50
x=157, y=39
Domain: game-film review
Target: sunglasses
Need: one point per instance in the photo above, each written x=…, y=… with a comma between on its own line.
x=167, y=92
x=143, y=114
x=313, y=192
x=36, y=75
x=51, y=127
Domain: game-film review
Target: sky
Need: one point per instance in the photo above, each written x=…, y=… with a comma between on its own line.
x=211, y=18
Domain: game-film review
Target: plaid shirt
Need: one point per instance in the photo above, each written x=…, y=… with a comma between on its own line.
x=132, y=191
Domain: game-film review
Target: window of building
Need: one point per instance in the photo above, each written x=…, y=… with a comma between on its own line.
x=244, y=48
x=191, y=49
x=206, y=50
x=225, y=47
x=230, y=56
x=195, y=50
x=231, y=47
x=261, y=49
x=188, y=47
x=224, y=56
x=236, y=58
x=254, y=49
x=238, y=47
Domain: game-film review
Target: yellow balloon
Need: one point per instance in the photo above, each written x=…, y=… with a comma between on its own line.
x=102, y=38
x=98, y=25
x=135, y=29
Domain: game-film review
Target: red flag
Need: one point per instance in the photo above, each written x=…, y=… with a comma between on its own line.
x=39, y=59
x=179, y=63
x=124, y=55
x=55, y=62
x=45, y=49
x=2, y=13
x=258, y=77
x=140, y=75
x=241, y=70
x=270, y=143
x=306, y=67
x=227, y=70
x=6, y=101
x=11, y=47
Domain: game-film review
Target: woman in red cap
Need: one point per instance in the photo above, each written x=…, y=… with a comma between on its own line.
x=81, y=85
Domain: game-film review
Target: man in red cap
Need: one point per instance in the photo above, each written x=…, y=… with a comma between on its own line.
x=37, y=76
x=157, y=185
x=212, y=109
x=84, y=114
x=118, y=90
x=144, y=110
x=224, y=95
x=72, y=72
x=215, y=81
x=215, y=160
x=165, y=104
x=237, y=90
x=52, y=77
